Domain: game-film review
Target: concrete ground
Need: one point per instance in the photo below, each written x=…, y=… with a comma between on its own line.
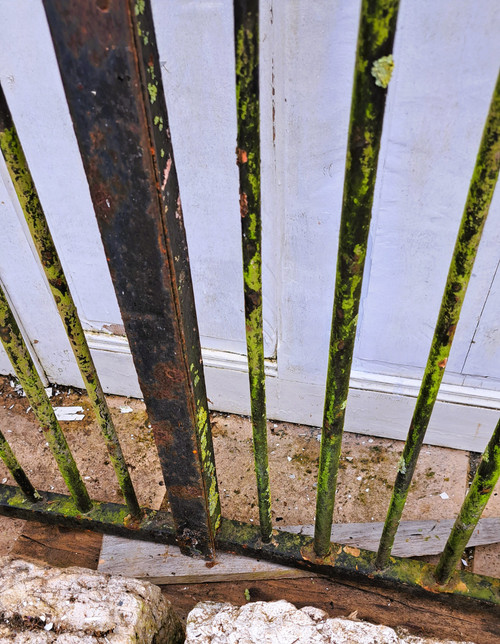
x=368, y=468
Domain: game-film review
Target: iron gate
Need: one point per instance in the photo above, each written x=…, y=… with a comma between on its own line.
x=109, y=65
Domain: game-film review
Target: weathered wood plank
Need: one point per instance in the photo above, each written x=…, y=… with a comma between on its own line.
x=58, y=546
x=413, y=539
x=164, y=564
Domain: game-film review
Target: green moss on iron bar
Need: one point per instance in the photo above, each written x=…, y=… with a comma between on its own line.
x=158, y=121
x=153, y=92
x=478, y=201
x=139, y=7
x=208, y=463
x=376, y=34
x=35, y=218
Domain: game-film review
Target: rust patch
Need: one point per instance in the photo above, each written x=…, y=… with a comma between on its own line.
x=243, y=204
x=241, y=156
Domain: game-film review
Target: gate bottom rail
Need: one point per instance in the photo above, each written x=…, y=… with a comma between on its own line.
x=234, y=536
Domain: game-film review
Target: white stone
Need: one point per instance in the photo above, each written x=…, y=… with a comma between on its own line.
x=280, y=622
x=81, y=606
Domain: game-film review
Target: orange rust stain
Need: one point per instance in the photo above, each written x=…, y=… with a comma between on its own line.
x=243, y=204
x=241, y=156
x=350, y=550
x=443, y=362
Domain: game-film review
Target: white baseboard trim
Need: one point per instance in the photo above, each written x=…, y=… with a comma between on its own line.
x=378, y=405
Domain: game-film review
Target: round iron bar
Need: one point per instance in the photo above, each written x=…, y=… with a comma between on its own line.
x=24, y=368
x=482, y=486
x=246, y=31
x=373, y=69
x=480, y=194
x=20, y=476
x=35, y=217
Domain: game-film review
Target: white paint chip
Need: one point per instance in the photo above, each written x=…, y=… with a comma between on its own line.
x=126, y=409
x=69, y=413
x=443, y=495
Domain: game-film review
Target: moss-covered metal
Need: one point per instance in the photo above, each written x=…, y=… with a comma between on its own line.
x=246, y=32
x=482, y=486
x=479, y=197
x=375, y=41
x=245, y=539
x=12, y=464
x=24, y=368
x=28, y=198
x=170, y=205
x=110, y=70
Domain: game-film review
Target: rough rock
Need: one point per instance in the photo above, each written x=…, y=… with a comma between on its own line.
x=280, y=621
x=75, y=605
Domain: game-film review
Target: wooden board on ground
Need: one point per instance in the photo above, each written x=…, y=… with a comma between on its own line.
x=58, y=546
x=164, y=564
x=424, y=616
x=413, y=539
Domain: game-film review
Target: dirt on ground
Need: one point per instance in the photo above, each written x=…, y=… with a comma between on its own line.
x=367, y=468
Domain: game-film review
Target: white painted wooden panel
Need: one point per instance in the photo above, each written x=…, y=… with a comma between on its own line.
x=446, y=61
x=204, y=132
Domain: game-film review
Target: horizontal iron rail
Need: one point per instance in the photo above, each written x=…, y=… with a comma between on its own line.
x=246, y=37
x=478, y=201
x=245, y=539
x=372, y=73
x=35, y=218
x=110, y=70
x=25, y=370
x=482, y=486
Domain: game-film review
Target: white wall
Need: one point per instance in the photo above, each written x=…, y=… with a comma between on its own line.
x=446, y=61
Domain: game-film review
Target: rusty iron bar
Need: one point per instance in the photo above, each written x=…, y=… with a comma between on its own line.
x=19, y=475
x=373, y=68
x=24, y=369
x=110, y=69
x=285, y=548
x=246, y=34
x=35, y=218
x=478, y=201
x=482, y=486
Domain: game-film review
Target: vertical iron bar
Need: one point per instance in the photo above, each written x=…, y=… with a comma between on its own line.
x=20, y=476
x=482, y=486
x=24, y=368
x=476, y=209
x=28, y=198
x=110, y=69
x=372, y=73
x=246, y=32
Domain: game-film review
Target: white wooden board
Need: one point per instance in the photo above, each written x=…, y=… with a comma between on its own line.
x=162, y=564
